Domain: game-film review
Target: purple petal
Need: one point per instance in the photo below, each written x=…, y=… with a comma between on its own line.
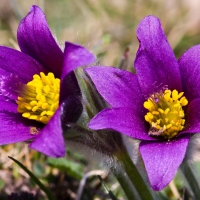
x=71, y=111
x=35, y=39
x=14, y=128
x=156, y=65
x=162, y=159
x=69, y=86
x=19, y=64
x=193, y=118
x=7, y=105
x=118, y=87
x=50, y=141
x=75, y=56
x=10, y=86
x=190, y=72
x=125, y=120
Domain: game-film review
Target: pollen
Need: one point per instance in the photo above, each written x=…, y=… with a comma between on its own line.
x=166, y=115
x=39, y=98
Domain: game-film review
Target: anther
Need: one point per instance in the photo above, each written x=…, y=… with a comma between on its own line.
x=40, y=99
x=166, y=115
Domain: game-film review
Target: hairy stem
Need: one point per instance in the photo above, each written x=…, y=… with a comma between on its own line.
x=134, y=175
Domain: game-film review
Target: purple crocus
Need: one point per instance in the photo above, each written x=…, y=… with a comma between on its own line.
x=160, y=105
x=39, y=92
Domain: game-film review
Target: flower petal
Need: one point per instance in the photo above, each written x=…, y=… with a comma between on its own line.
x=193, y=118
x=156, y=65
x=162, y=159
x=128, y=121
x=35, y=39
x=69, y=86
x=71, y=111
x=14, y=128
x=75, y=56
x=118, y=87
x=190, y=72
x=50, y=141
x=7, y=105
x=19, y=64
x=10, y=86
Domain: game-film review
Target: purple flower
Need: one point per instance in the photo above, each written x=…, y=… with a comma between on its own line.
x=39, y=92
x=160, y=105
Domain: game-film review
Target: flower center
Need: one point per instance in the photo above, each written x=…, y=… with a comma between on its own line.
x=39, y=98
x=166, y=115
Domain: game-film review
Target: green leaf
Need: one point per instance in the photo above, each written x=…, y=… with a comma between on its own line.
x=2, y=184
x=38, y=169
x=73, y=169
x=35, y=179
x=191, y=174
x=112, y=196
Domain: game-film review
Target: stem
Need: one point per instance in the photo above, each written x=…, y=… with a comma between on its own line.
x=189, y=173
x=134, y=175
x=174, y=190
x=126, y=184
x=109, y=191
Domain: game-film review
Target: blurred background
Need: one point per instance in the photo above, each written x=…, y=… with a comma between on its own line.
x=107, y=28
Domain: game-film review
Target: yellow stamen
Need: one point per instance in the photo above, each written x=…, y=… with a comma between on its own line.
x=166, y=115
x=40, y=98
